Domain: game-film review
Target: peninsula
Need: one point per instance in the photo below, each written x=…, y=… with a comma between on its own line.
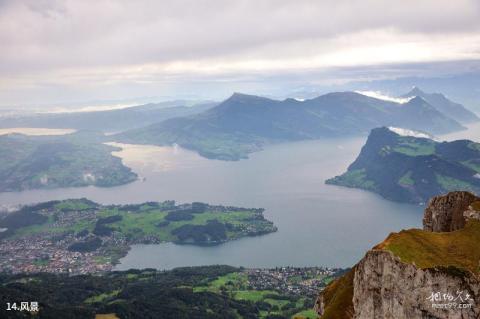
x=79, y=236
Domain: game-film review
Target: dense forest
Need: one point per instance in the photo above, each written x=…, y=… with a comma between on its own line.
x=144, y=293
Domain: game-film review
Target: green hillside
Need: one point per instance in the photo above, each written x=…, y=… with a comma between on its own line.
x=243, y=124
x=412, y=169
x=79, y=159
x=457, y=249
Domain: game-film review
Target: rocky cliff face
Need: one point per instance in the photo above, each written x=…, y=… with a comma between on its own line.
x=446, y=213
x=384, y=285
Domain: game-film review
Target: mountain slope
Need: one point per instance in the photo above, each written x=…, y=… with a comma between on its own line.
x=451, y=109
x=106, y=121
x=412, y=169
x=415, y=273
x=32, y=162
x=244, y=123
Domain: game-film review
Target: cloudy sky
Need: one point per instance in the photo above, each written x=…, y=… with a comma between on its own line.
x=66, y=51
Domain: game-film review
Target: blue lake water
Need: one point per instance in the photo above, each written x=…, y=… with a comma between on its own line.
x=318, y=224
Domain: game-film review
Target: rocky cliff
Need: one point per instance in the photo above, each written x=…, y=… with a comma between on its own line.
x=446, y=213
x=430, y=273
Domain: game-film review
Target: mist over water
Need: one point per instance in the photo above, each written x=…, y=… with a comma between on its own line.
x=35, y=131
x=472, y=133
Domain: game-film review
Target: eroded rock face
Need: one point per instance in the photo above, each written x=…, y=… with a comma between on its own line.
x=319, y=306
x=386, y=288
x=446, y=213
x=472, y=213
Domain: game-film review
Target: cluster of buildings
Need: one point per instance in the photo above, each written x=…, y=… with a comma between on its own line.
x=72, y=217
x=304, y=281
x=40, y=253
x=49, y=251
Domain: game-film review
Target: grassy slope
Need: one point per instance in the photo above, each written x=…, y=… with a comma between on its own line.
x=411, y=147
x=450, y=184
x=139, y=224
x=236, y=285
x=476, y=205
x=212, y=145
x=144, y=223
x=406, y=145
x=427, y=250
x=458, y=249
x=356, y=178
x=338, y=296
x=414, y=186
x=306, y=314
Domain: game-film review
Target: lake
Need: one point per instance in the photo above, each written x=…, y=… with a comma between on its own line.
x=318, y=224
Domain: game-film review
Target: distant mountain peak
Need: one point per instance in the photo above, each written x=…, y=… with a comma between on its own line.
x=449, y=108
x=416, y=91
x=237, y=96
x=417, y=100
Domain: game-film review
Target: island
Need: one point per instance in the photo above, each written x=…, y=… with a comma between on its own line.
x=407, y=166
x=72, y=160
x=78, y=236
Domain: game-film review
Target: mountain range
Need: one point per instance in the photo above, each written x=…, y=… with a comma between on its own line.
x=230, y=130
x=451, y=109
x=245, y=123
x=460, y=87
x=107, y=120
x=407, y=168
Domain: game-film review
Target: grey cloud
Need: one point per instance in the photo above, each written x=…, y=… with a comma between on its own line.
x=50, y=34
x=61, y=49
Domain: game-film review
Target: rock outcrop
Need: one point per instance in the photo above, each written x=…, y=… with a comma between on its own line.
x=446, y=213
x=386, y=287
x=407, y=277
